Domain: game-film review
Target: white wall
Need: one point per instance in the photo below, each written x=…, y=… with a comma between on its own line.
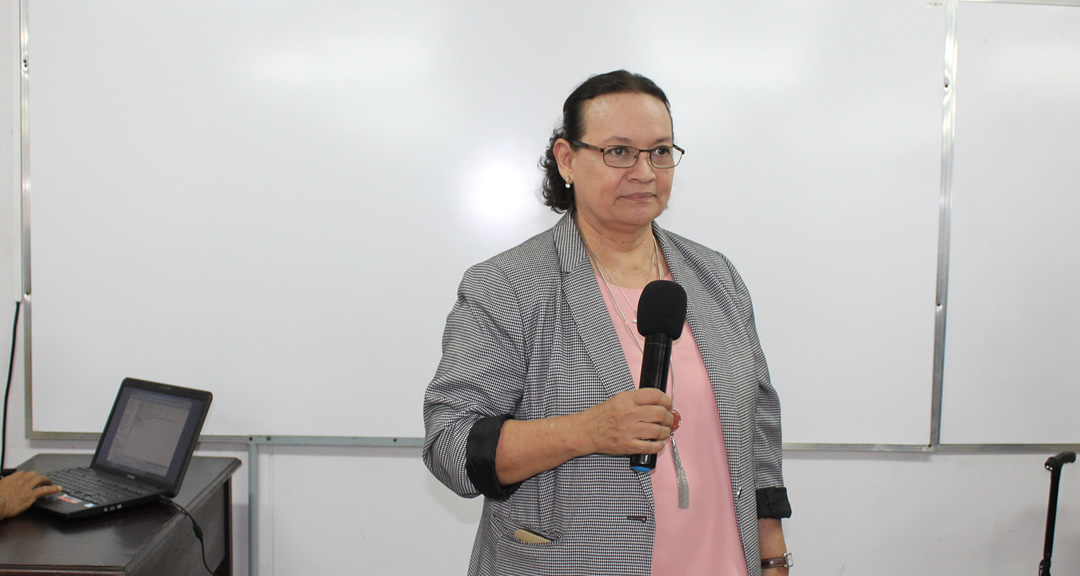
x=372, y=510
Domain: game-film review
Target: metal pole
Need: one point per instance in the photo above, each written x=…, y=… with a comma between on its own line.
x=1053, y=464
x=1051, y=520
x=253, y=507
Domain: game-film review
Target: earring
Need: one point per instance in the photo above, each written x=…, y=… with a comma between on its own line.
x=568, y=182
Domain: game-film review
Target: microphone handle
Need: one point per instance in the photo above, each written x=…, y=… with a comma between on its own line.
x=655, y=361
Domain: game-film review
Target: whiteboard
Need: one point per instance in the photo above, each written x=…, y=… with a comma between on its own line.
x=276, y=201
x=1012, y=371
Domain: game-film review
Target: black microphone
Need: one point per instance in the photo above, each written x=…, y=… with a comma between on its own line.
x=661, y=314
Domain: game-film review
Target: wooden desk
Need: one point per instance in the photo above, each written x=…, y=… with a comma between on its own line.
x=155, y=539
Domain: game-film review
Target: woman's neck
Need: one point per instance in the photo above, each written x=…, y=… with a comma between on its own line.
x=629, y=259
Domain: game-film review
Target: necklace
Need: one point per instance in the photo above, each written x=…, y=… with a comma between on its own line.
x=680, y=472
x=604, y=272
x=605, y=275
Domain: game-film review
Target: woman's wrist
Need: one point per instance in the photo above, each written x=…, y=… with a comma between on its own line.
x=579, y=436
x=528, y=447
x=785, y=561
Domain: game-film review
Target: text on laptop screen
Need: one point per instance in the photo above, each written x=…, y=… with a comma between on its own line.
x=149, y=433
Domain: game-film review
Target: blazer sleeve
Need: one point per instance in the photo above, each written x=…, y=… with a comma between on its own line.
x=772, y=500
x=478, y=384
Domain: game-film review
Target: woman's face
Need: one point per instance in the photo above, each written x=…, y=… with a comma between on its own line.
x=620, y=200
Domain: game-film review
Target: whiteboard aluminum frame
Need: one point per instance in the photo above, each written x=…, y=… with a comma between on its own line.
x=23, y=149
x=948, y=146
x=24, y=205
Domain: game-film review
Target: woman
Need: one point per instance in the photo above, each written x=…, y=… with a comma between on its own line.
x=535, y=402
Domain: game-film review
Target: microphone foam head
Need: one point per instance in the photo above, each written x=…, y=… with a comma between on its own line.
x=662, y=309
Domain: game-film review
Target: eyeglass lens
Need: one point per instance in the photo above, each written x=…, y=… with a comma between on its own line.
x=627, y=156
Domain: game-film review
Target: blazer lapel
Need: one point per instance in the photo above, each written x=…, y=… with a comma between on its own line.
x=588, y=311
x=593, y=321
x=704, y=320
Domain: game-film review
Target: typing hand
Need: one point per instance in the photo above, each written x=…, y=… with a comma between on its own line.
x=19, y=490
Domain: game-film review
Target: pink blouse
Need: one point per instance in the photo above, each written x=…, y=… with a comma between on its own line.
x=704, y=538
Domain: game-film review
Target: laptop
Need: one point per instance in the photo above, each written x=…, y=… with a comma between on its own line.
x=142, y=455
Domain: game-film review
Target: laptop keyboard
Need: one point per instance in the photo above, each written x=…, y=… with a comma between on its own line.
x=82, y=483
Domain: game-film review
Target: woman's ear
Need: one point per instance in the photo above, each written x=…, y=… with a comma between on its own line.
x=564, y=155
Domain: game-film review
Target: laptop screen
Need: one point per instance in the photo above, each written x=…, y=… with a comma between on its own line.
x=150, y=433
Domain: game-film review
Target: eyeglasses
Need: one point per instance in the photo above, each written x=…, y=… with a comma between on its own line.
x=620, y=156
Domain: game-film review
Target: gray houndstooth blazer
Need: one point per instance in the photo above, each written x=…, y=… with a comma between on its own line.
x=530, y=337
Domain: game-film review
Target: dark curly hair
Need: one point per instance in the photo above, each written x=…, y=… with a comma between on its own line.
x=554, y=191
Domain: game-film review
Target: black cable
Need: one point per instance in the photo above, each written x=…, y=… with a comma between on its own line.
x=7, y=391
x=198, y=532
